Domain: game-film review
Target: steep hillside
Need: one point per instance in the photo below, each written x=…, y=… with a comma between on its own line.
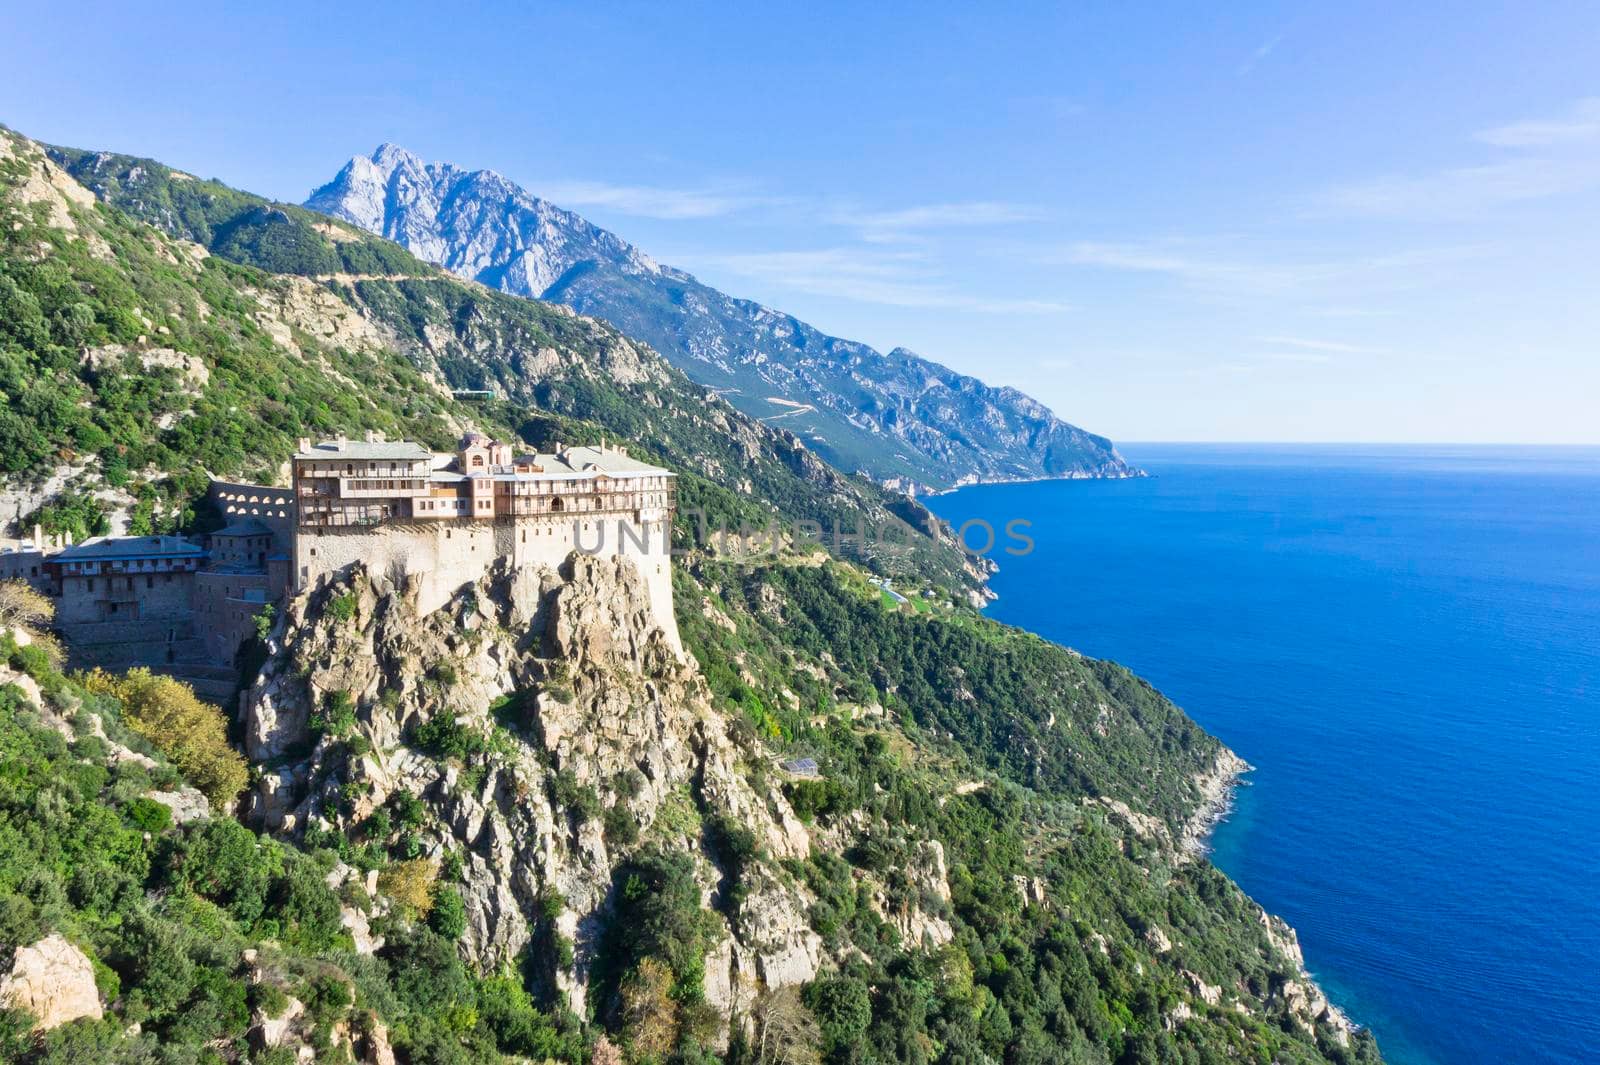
x=342, y=309
x=991, y=858
x=895, y=416
x=519, y=826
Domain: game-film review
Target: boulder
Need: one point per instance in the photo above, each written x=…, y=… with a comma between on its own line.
x=52, y=980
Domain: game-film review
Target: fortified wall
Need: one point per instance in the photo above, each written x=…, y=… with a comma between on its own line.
x=443, y=556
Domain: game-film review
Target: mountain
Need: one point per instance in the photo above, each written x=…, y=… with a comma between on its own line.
x=896, y=417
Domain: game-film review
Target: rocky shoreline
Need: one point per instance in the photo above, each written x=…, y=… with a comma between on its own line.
x=1216, y=786
x=1305, y=997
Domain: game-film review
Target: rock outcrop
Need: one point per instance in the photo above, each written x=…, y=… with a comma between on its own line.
x=582, y=716
x=53, y=981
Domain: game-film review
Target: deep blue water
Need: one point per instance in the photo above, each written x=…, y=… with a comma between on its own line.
x=1405, y=643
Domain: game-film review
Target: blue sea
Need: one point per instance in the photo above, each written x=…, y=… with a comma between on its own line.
x=1405, y=643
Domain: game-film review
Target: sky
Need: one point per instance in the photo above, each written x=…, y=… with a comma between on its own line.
x=1342, y=221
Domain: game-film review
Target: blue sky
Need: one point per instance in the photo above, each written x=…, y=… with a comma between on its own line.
x=1353, y=221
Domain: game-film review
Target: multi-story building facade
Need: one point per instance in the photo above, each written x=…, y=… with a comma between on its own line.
x=441, y=519
x=125, y=579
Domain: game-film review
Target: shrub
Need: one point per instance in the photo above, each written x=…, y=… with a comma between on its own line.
x=621, y=827
x=147, y=815
x=342, y=608
x=409, y=811
x=410, y=884
x=580, y=799
x=448, y=917
x=445, y=737
x=335, y=716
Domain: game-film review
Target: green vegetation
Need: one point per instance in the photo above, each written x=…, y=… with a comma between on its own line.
x=166, y=914
x=1069, y=975
x=126, y=293
x=930, y=725
x=598, y=383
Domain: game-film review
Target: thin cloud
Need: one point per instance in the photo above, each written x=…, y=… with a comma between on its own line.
x=1540, y=158
x=1219, y=270
x=890, y=279
x=1259, y=54
x=941, y=216
x=646, y=201
x=1581, y=123
x=1333, y=347
x=1310, y=358
x=1463, y=190
x=1196, y=269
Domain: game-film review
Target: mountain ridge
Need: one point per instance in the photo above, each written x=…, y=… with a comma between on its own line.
x=897, y=417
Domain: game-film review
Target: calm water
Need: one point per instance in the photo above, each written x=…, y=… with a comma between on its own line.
x=1406, y=643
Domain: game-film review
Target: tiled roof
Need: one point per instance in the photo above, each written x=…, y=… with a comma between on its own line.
x=104, y=548
x=605, y=460
x=244, y=527
x=366, y=449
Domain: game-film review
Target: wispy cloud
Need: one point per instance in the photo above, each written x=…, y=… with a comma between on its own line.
x=1192, y=266
x=879, y=226
x=648, y=201
x=1580, y=123
x=1463, y=190
x=940, y=215
x=1261, y=52
x=1313, y=358
x=1540, y=158
x=1325, y=347
x=1223, y=269
x=896, y=279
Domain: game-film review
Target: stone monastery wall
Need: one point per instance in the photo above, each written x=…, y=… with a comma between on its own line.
x=445, y=555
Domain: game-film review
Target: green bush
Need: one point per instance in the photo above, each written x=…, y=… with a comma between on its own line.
x=449, y=914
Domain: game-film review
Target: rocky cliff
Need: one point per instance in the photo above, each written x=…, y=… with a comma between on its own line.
x=897, y=416
x=586, y=740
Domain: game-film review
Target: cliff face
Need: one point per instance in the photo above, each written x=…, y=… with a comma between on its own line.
x=896, y=417
x=584, y=720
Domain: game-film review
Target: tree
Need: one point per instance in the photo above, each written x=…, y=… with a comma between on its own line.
x=785, y=1031
x=843, y=1007
x=410, y=885
x=193, y=734
x=649, y=1015
x=448, y=916
x=24, y=607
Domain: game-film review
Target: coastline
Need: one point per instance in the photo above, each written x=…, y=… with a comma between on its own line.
x=1133, y=473
x=1305, y=997
x=1217, y=787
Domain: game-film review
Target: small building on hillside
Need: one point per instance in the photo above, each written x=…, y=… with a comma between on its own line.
x=125, y=578
x=244, y=573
